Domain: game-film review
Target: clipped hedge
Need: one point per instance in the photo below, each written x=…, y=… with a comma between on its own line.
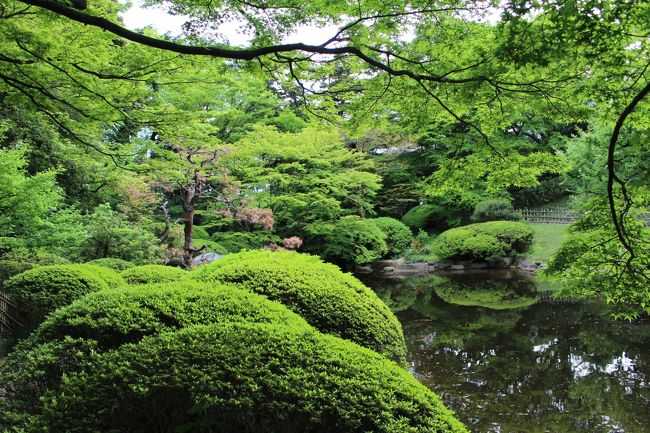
x=398, y=235
x=245, y=378
x=72, y=337
x=10, y=268
x=41, y=290
x=425, y=216
x=151, y=274
x=496, y=209
x=115, y=317
x=112, y=263
x=333, y=302
x=110, y=276
x=234, y=242
x=199, y=232
x=484, y=241
x=351, y=239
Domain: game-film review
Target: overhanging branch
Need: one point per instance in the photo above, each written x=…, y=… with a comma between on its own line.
x=612, y=177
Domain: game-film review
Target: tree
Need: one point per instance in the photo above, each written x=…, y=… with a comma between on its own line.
x=570, y=59
x=25, y=201
x=303, y=177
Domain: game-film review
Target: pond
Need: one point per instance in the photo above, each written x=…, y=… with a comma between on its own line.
x=507, y=360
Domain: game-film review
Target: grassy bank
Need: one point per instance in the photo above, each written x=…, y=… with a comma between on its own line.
x=548, y=238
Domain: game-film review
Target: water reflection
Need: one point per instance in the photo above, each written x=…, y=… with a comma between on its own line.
x=508, y=363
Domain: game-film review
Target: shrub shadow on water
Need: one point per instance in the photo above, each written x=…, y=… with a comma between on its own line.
x=507, y=362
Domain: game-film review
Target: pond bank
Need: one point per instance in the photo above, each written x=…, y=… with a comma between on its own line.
x=397, y=267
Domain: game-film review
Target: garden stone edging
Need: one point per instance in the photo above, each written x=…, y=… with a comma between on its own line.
x=399, y=266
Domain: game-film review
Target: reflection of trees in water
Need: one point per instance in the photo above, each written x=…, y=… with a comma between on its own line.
x=549, y=367
x=400, y=293
x=485, y=290
x=489, y=289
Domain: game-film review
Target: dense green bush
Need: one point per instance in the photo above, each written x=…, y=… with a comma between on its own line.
x=9, y=268
x=234, y=242
x=333, y=302
x=112, y=263
x=245, y=378
x=111, y=234
x=398, y=235
x=210, y=246
x=72, y=337
x=496, y=209
x=351, y=239
x=425, y=216
x=484, y=241
x=39, y=291
x=151, y=274
x=110, y=276
x=199, y=232
x=115, y=317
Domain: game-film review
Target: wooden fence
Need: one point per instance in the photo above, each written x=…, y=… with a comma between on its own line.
x=558, y=216
x=8, y=315
x=548, y=216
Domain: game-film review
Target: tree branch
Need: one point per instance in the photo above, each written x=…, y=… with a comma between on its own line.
x=618, y=220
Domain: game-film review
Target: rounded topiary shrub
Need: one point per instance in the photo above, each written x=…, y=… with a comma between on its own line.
x=398, y=235
x=330, y=300
x=72, y=337
x=10, y=268
x=39, y=291
x=199, y=232
x=484, y=241
x=425, y=216
x=244, y=378
x=115, y=317
x=349, y=240
x=110, y=276
x=496, y=209
x=112, y=263
x=234, y=242
x=150, y=274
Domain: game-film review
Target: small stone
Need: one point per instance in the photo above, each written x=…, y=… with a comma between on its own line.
x=457, y=267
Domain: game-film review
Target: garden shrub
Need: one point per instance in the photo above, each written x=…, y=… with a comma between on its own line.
x=351, y=239
x=235, y=242
x=330, y=300
x=110, y=276
x=245, y=378
x=9, y=268
x=199, y=232
x=112, y=263
x=150, y=274
x=398, y=235
x=111, y=234
x=496, y=209
x=72, y=337
x=425, y=216
x=484, y=241
x=41, y=290
x=210, y=246
x=115, y=317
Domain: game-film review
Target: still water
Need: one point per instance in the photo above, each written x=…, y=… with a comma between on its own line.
x=507, y=361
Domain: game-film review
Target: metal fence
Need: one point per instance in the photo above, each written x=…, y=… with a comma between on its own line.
x=8, y=315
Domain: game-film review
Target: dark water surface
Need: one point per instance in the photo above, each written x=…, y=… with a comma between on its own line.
x=506, y=361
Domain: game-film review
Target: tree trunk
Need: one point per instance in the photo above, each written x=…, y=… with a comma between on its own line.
x=188, y=209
